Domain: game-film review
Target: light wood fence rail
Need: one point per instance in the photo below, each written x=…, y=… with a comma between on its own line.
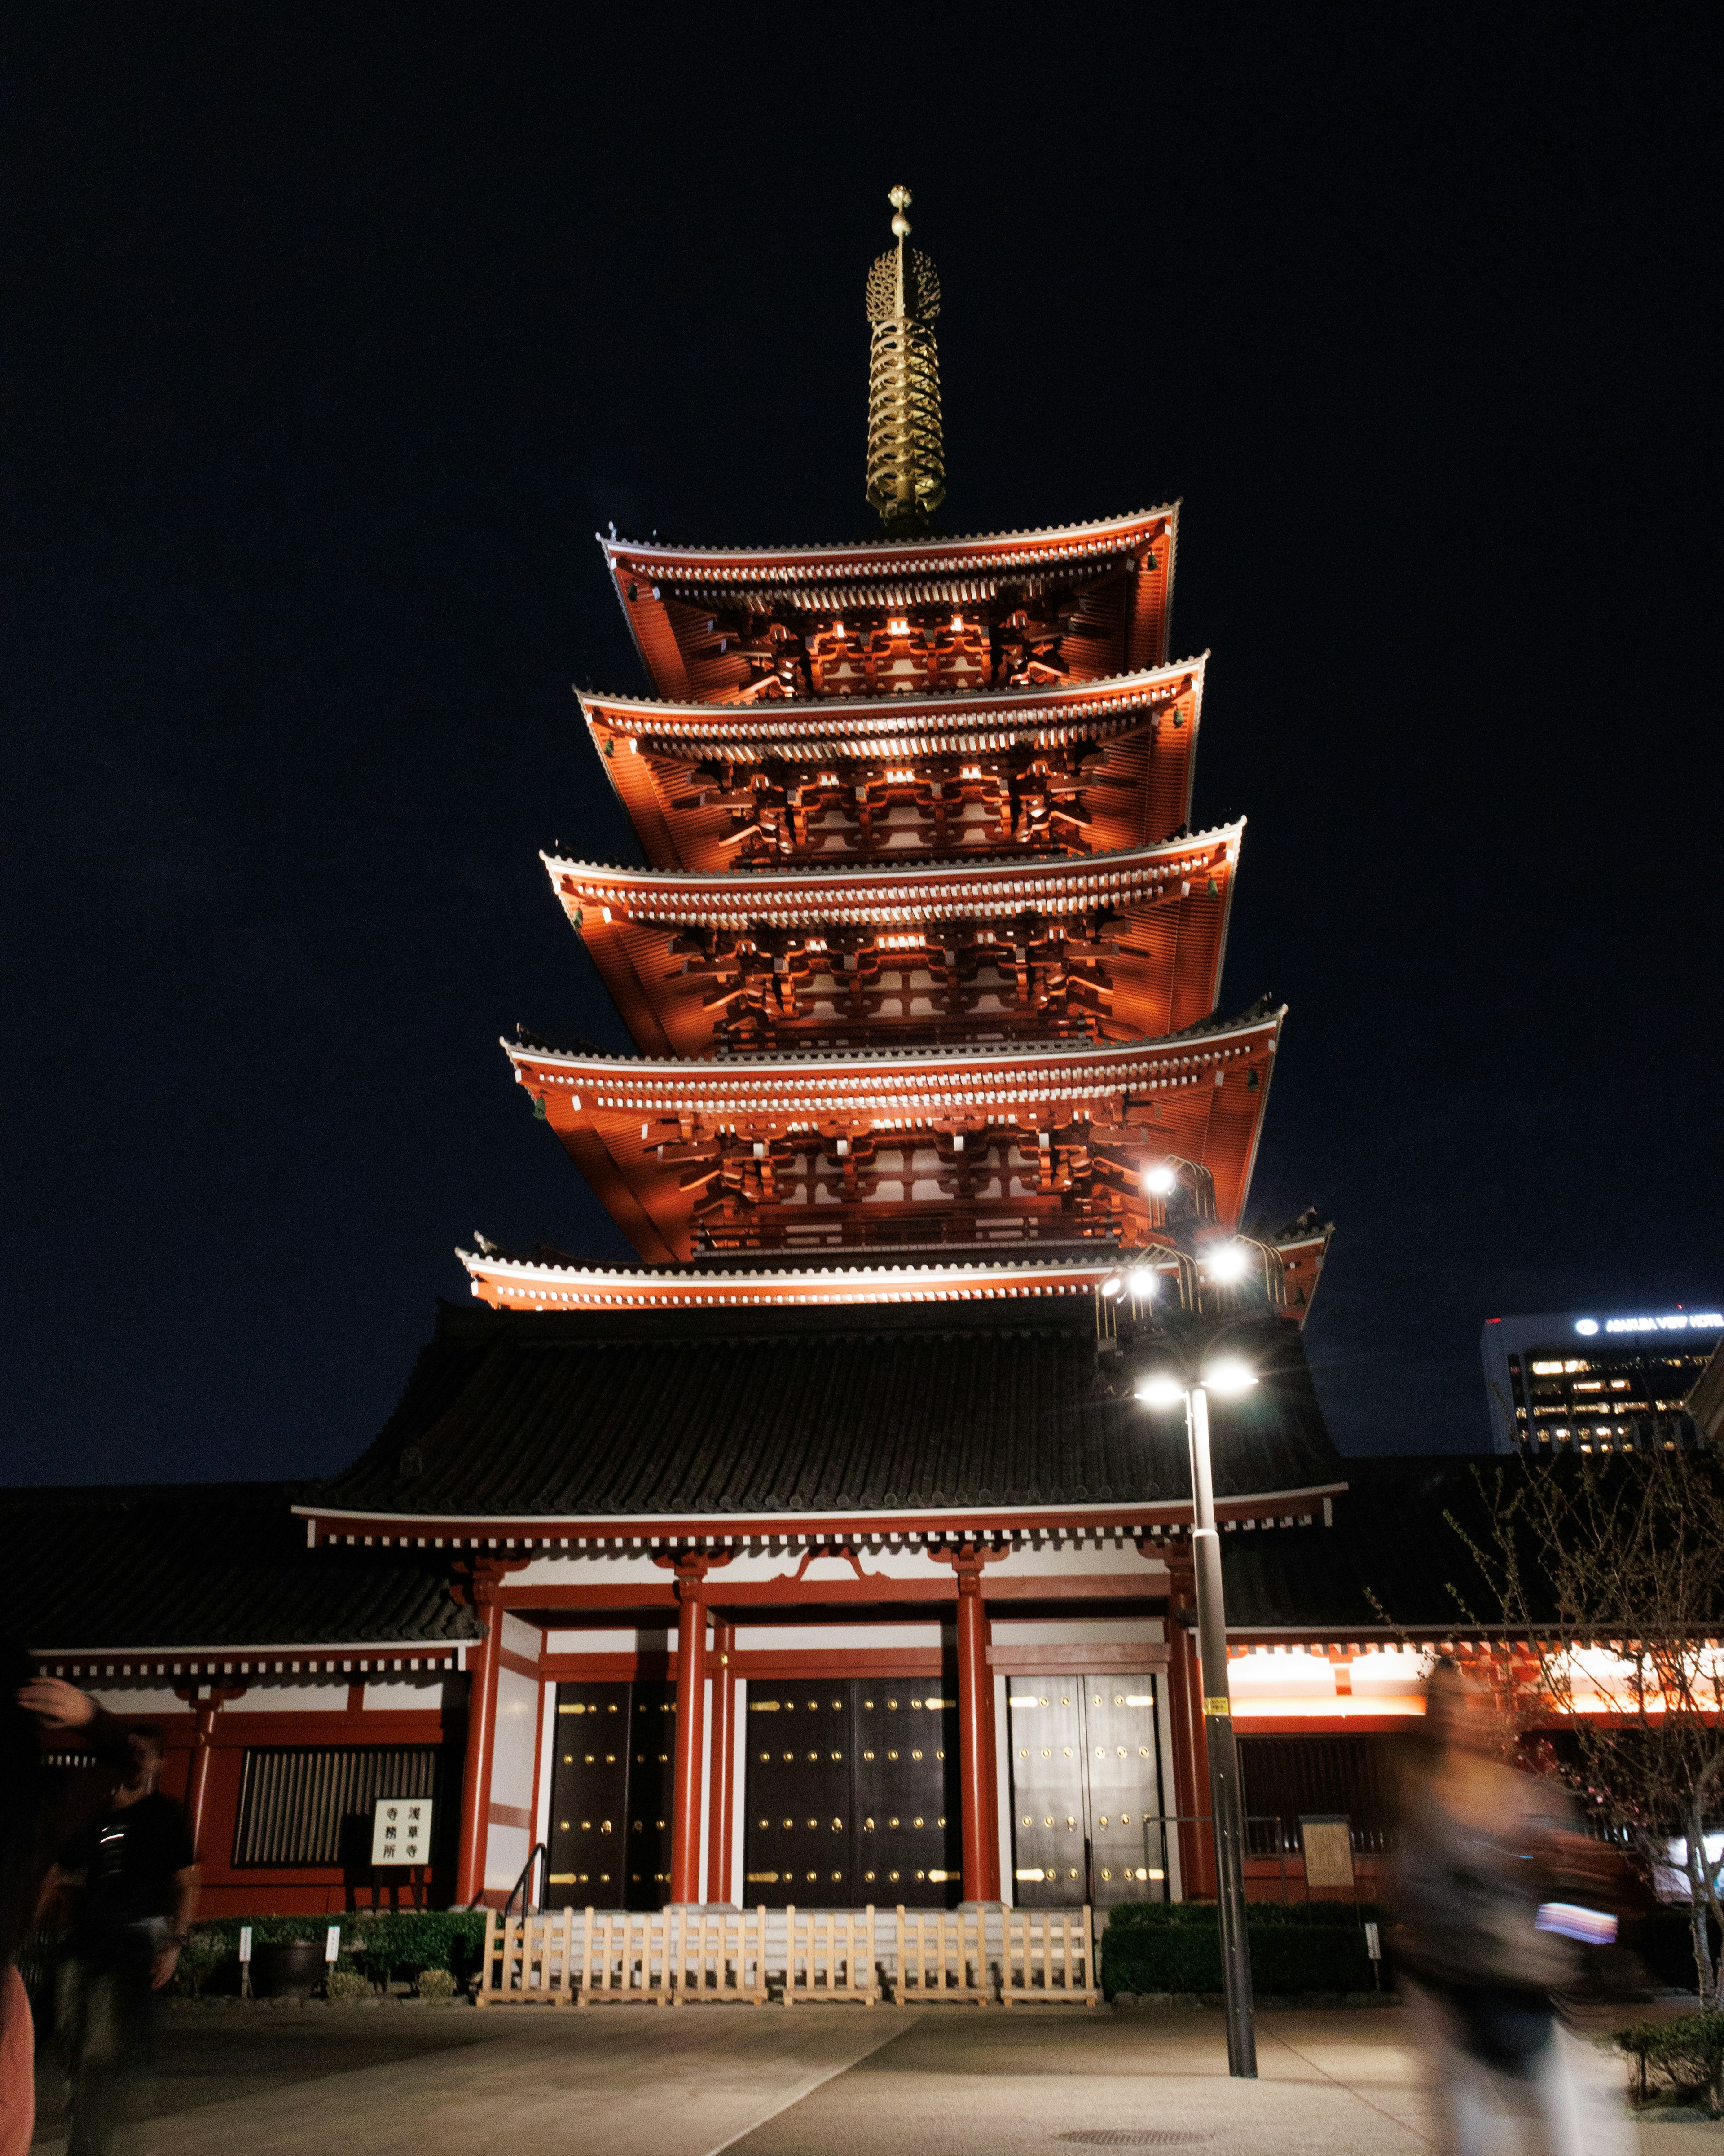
x=1050, y=1955
x=698, y=1957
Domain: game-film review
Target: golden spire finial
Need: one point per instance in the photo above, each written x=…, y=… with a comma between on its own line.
x=906, y=470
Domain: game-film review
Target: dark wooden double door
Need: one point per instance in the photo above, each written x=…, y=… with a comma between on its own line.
x=852, y=1794
x=610, y=1796
x=1085, y=1791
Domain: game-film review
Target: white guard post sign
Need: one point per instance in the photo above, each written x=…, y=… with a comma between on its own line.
x=401, y=1831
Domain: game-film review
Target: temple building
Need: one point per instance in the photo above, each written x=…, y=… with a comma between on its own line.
x=803, y=1559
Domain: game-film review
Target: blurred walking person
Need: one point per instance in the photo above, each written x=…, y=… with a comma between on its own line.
x=1486, y=1941
x=40, y=1806
x=139, y=1874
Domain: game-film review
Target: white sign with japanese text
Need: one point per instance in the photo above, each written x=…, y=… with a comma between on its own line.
x=401, y=1831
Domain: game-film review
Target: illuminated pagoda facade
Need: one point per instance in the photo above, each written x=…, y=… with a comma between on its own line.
x=802, y=1558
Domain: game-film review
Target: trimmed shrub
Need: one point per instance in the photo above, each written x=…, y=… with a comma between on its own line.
x=436, y=1984
x=1176, y=1946
x=342, y=1986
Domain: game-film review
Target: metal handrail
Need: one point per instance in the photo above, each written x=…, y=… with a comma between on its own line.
x=527, y=1906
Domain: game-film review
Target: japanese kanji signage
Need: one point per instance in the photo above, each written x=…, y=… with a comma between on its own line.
x=401, y=1831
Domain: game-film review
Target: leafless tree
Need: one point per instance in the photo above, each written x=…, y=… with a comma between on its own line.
x=1611, y=1577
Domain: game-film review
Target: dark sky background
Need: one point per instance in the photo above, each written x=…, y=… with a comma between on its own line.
x=334, y=334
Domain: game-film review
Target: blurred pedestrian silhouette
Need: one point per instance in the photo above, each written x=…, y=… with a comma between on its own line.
x=138, y=1872
x=1492, y=1887
x=40, y=1807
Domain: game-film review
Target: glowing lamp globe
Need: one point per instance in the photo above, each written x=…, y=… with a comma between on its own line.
x=1159, y=1180
x=1229, y=1377
x=1228, y=1263
x=1163, y=1390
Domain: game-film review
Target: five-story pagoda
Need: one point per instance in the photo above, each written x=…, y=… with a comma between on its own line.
x=924, y=964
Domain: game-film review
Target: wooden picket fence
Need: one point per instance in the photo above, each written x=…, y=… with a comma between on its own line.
x=1050, y=1957
x=829, y=1955
x=719, y=1956
x=942, y=1956
x=699, y=1957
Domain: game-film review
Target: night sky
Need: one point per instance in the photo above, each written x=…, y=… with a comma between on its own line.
x=335, y=332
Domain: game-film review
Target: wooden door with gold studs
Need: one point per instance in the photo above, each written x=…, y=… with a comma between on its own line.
x=1121, y=1768
x=851, y=1794
x=910, y=1837
x=1085, y=1786
x=652, y=1777
x=799, y=1787
x=589, y=1797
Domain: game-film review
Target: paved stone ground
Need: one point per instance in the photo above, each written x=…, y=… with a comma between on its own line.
x=777, y=2081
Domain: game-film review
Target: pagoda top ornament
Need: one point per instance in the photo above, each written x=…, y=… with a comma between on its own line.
x=906, y=467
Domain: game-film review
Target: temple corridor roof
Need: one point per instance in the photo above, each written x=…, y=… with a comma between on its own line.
x=194, y=1565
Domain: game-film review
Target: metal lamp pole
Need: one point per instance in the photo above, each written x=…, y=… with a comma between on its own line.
x=1227, y=1811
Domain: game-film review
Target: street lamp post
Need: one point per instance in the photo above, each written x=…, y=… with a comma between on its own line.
x=1227, y=1812
x=1161, y=1358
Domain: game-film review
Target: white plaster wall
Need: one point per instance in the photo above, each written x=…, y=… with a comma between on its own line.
x=419, y=1695
x=617, y=1640
x=1078, y=1631
x=814, y=1638
x=516, y=1729
x=505, y=1854
x=143, y=1702
x=520, y=1637
x=1050, y=1556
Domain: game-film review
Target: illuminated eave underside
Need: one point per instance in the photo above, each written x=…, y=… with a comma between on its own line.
x=1137, y=790
x=651, y=579
x=520, y=1284
x=1198, y=1095
x=1170, y=905
x=805, y=729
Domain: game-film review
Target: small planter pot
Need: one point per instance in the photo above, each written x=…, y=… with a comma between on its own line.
x=293, y=1969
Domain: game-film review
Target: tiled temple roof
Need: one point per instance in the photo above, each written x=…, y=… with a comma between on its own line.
x=781, y=1410
x=197, y=1565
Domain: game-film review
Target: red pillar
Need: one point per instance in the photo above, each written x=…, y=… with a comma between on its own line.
x=1191, y=1745
x=482, y=1666
x=976, y=1784
x=724, y=1765
x=691, y=1715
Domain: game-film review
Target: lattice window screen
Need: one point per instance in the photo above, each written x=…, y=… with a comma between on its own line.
x=294, y=1800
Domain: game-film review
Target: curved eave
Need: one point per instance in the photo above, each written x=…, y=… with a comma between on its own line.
x=882, y=725
x=554, y=1534
x=663, y=590
x=1168, y=975
x=880, y=556
x=519, y=1283
x=1147, y=723
x=1204, y=1091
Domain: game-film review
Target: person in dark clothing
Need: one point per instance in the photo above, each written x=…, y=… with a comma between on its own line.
x=139, y=1875
x=40, y=1806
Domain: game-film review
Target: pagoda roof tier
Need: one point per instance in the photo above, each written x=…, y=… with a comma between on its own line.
x=550, y=1282
x=1073, y=768
x=963, y=1145
x=1128, y=944
x=716, y=622
x=751, y=1280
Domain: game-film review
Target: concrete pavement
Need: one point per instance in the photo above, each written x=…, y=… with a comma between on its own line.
x=825, y=2080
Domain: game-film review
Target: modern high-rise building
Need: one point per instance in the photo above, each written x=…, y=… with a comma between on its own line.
x=1595, y=1380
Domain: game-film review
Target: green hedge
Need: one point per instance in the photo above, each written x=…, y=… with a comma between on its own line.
x=381, y=1945
x=1163, y=1945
